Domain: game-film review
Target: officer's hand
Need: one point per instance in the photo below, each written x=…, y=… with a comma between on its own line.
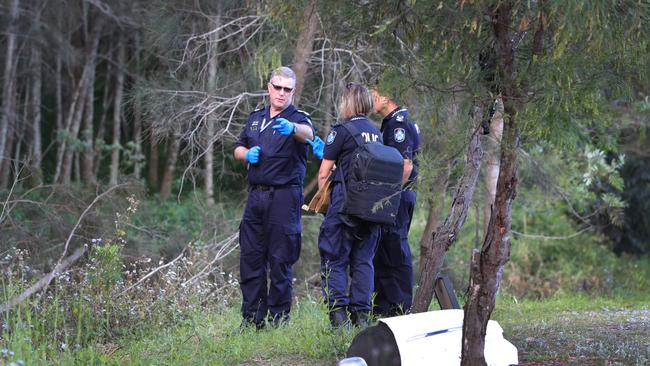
x=317, y=146
x=253, y=155
x=285, y=127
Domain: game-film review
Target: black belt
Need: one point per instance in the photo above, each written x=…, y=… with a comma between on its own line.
x=264, y=187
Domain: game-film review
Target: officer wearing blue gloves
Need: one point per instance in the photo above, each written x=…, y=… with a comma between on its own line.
x=273, y=145
x=393, y=265
x=342, y=247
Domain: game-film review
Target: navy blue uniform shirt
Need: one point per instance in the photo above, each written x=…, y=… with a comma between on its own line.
x=400, y=132
x=339, y=144
x=283, y=160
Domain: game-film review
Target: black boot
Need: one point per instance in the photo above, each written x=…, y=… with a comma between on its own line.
x=360, y=319
x=339, y=318
x=278, y=320
x=249, y=323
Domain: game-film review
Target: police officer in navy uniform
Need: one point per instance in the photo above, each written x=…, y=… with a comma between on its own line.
x=393, y=265
x=341, y=246
x=273, y=146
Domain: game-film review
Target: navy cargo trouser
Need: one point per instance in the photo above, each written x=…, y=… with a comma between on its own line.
x=393, y=265
x=269, y=239
x=339, y=249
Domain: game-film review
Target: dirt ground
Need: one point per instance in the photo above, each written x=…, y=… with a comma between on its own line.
x=605, y=337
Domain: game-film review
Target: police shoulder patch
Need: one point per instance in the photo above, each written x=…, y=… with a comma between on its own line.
x=399, y=135
x=330, y=137
x=306, y=115
x=399, y=118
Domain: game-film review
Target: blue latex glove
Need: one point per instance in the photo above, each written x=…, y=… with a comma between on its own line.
x=285, y=127
x=317, y=146
x=253, y=155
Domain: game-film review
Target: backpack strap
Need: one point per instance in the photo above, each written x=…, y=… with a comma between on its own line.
x=353, y=131
x=356, y=136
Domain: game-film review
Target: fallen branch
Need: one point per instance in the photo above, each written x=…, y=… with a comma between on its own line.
x=223, y=246
x=61, y=265
x=154, y=271
x=45, y=281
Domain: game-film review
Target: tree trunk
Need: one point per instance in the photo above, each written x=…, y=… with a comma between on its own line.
x=137, y=117
x=35, y=115
x=87, y=153
x=6, y=164
x=101, y=127
x=487, y=265
x=440, y=184
x=152, y=165
x=304, y=46
x=70, y=131
x=59, y=92
x=492, y=145
x=436, y=204
x=117, y=113
x=8, y=83
x=87, y=134
x=208, y=158
x=170, y=164
x=446, y=234
x=65, y=153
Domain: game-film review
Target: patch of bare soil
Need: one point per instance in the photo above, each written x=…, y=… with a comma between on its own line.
x=606, y=337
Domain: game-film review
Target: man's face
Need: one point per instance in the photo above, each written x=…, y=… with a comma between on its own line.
x=281, y=91
x=377, y=102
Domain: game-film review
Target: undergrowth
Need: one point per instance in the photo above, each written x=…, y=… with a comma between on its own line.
x=158, y=285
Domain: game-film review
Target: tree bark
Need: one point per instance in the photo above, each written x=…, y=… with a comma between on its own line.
x=8, y=84
x=7, y=164
x=446, y=234
x=492, y=146
x=152, y=165
x=440, y=184
x=35, y=115
x=87, y=152
x=117, y=113
x=487, y=265
x=436, y=204
x=304, y=46
x=170, y=164
x=66, y=151
x=101, y=127
x=137, y=116
x=208, y=158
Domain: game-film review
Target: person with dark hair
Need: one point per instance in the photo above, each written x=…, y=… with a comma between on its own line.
x=393, y=266
x=343, y=247
x=273, y=145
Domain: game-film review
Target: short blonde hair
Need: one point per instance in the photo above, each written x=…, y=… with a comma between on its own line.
x=355, y=100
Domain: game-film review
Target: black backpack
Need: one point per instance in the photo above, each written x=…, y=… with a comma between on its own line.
x=374, y=183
